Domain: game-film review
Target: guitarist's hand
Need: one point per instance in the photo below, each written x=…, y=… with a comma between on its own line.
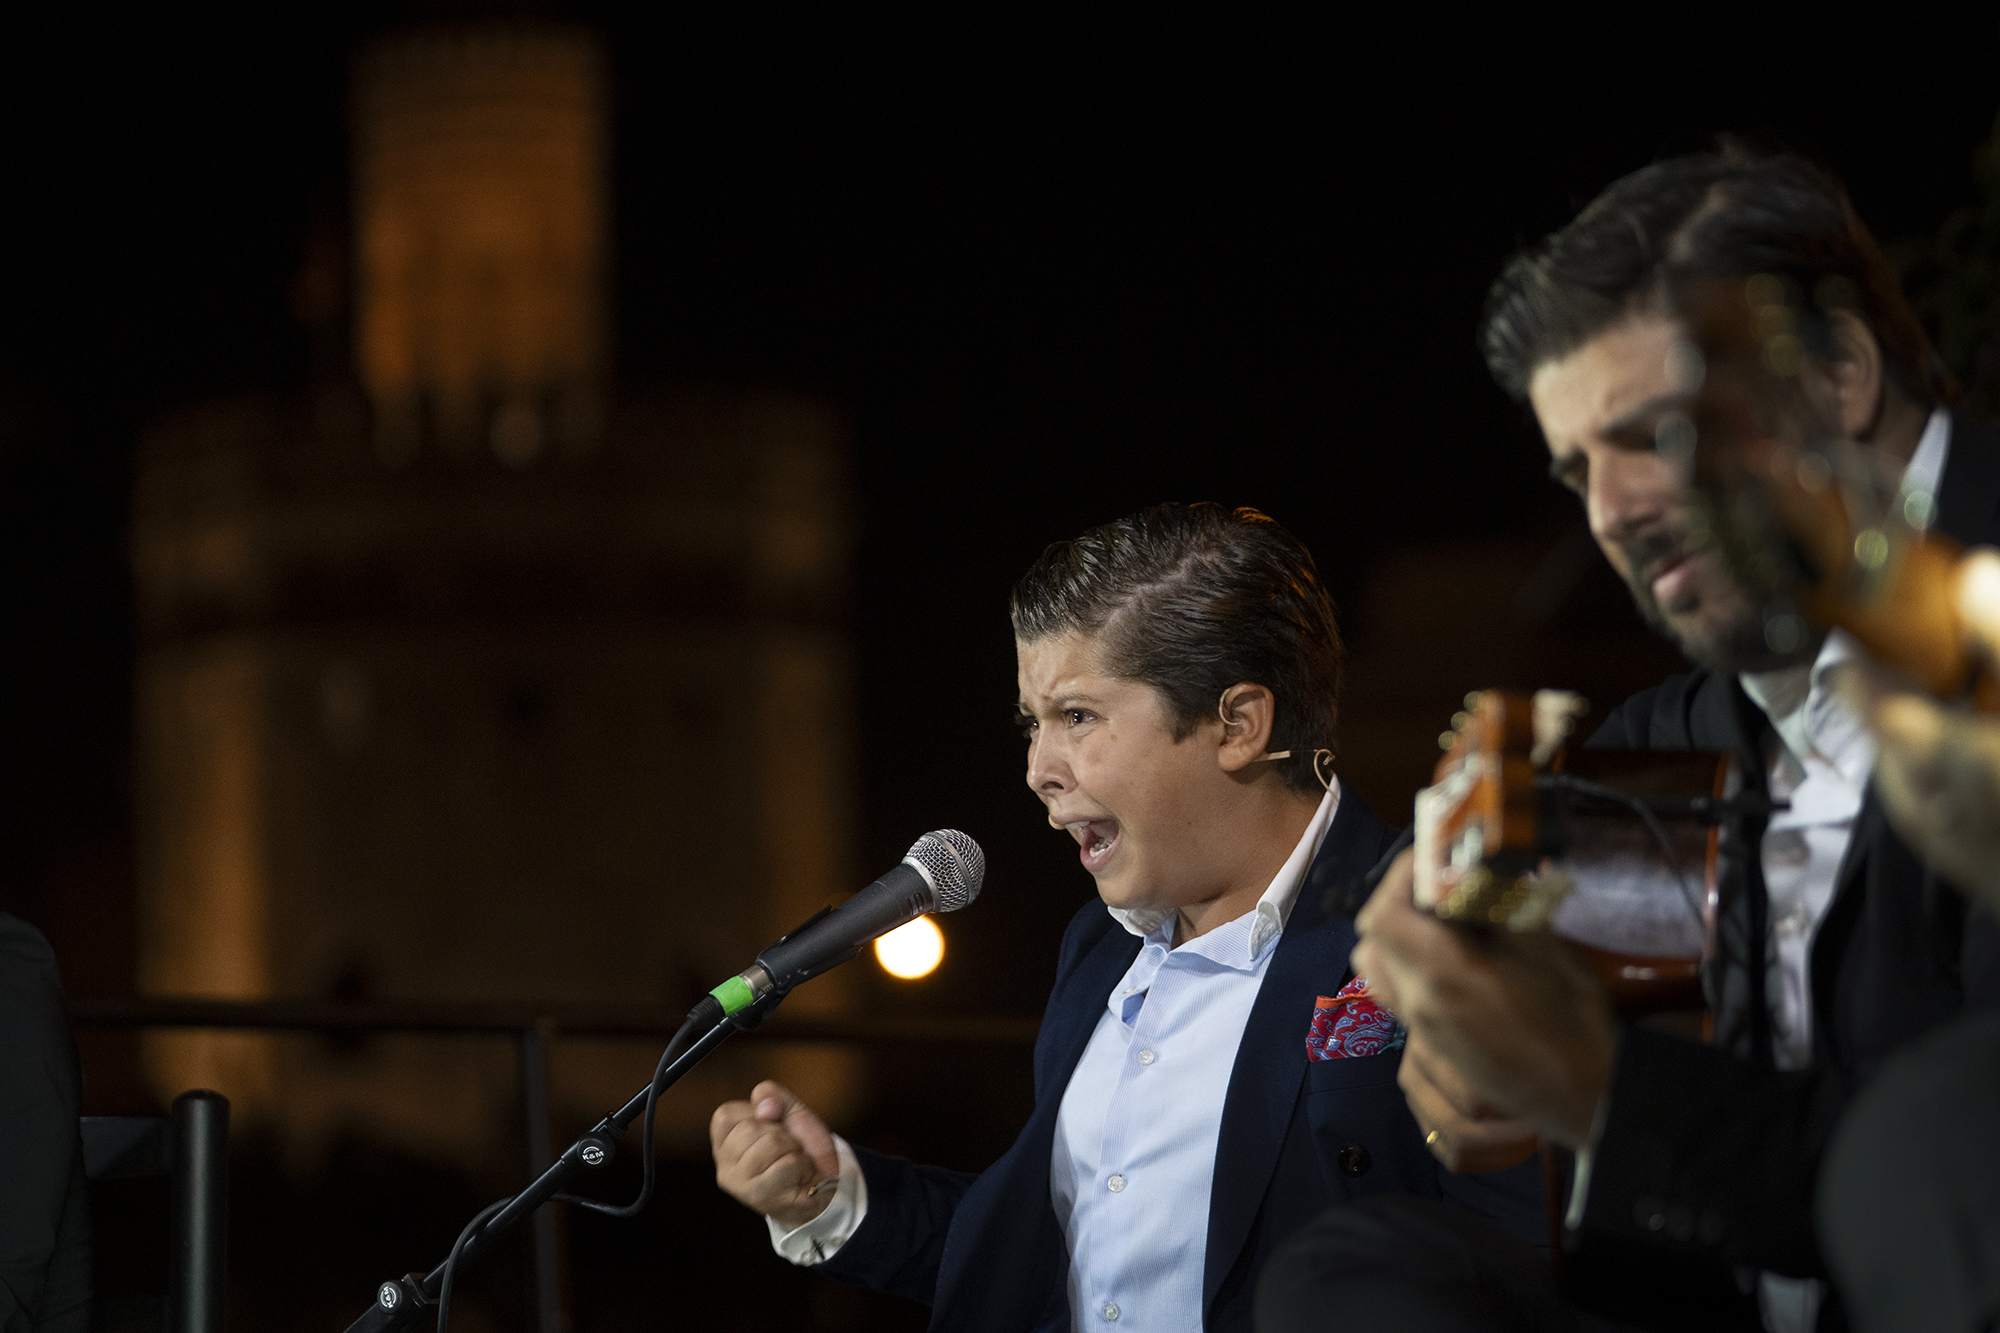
x=1463, y=1132
x=1524, y=1029
x=1938, y=768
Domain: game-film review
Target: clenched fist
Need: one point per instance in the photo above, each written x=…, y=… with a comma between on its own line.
x=771, y=1154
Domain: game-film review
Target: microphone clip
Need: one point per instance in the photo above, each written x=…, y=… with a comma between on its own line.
x=771, y=982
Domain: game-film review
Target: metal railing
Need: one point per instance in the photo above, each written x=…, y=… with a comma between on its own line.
x=534, y=1028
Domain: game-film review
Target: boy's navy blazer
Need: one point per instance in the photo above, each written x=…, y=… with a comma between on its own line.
x=1297, y=1136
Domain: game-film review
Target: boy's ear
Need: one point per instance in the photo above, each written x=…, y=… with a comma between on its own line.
x=1247, y=711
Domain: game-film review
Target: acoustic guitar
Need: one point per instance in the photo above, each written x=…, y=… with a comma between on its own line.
x=1618, y=852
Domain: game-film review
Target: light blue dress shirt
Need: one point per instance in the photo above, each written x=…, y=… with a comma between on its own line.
x=1133, y=1162
x=1134, y=1157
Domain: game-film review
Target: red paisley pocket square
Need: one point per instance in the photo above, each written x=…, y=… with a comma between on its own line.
x=1350, y=1024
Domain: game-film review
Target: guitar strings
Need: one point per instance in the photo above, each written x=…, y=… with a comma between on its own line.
x=1585, y=787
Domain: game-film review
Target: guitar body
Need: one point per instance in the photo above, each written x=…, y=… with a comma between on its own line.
x=1614, y=851
x=1643, y=919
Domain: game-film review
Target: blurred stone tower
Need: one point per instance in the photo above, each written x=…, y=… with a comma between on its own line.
x=466, y=674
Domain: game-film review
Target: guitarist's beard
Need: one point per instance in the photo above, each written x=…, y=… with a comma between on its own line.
x=1717, y=622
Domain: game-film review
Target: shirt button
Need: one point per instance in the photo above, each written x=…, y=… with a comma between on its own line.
x=1650, y=1213
x=1111, y=1312
x=1145, y=1057
x=1115, y=1184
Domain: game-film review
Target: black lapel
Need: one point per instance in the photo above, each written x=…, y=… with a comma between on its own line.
x=1969, y=492
x=1311, y=960
x=1719, y=716
x=1076, y=1007
x=1843, y=911
x=1009, y=1297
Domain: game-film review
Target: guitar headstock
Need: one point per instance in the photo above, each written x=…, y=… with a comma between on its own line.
x=1479, y=836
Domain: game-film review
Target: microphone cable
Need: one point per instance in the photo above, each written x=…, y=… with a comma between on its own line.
x=703, y=1017
x=458, y=1248
x=952, y=868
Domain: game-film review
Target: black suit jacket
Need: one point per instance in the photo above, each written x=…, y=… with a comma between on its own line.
x=1709, y=1149
x=986, y=1252
x=44, y=1200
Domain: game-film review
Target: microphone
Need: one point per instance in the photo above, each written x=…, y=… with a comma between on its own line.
x=942, y=873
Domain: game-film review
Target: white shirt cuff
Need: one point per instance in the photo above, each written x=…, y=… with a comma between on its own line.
x=821, y=1238
x=1579, y=1189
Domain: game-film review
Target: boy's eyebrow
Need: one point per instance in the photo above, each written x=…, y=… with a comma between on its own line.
x=1059, y=702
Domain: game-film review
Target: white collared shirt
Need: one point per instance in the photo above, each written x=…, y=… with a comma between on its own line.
x=1822, y=770
x=1143, y=1108
x=1134, y=1157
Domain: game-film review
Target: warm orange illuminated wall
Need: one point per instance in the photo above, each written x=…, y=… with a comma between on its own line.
x=484, y=682
x=479, y=210
x=578, y=732
x=206, y=918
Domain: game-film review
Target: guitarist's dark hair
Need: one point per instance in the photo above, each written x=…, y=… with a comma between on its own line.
x=1732, y=213
x=1192, y=599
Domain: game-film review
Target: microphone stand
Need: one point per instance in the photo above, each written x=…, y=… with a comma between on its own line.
x=402, y=1302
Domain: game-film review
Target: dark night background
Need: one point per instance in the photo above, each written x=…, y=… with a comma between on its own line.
x=1054, y=267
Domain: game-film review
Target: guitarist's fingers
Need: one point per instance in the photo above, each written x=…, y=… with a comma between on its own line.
x=1393, y=892
x=1521, y=1028
x=1368, y=962
x=1463, y=1142
x=1939, y=777
x=1483, y=1145
x=1403, y=950
x=1424, y=1074
x=1938, y=768
x=1979, y=599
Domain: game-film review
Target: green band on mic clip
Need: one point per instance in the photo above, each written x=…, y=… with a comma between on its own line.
x=734, y=994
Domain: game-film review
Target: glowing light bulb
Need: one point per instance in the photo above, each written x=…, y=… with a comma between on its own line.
x=911, y=951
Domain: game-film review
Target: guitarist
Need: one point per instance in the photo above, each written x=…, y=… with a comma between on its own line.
x=1695, y=1164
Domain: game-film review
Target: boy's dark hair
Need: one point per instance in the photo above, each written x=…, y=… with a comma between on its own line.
x=1194, y=598
x=1729, y=214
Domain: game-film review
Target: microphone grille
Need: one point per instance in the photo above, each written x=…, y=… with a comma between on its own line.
x=954, y=865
